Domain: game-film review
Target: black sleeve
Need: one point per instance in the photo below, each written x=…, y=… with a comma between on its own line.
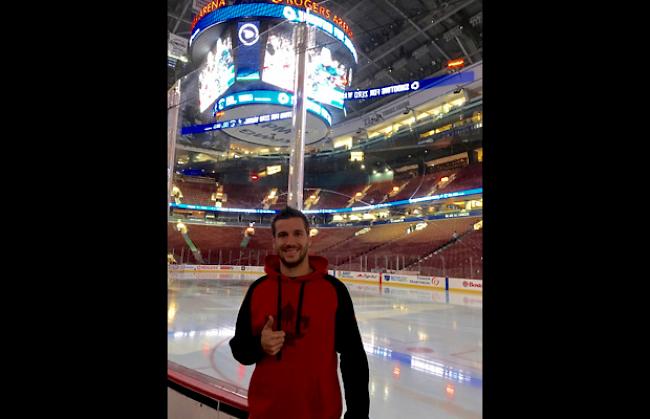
x=245, y=347
x=354, y=363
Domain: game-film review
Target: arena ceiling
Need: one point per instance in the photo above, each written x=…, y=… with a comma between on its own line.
x=396, y=40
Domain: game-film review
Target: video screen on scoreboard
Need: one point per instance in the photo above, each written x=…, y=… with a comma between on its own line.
x=279, y=60
x=217, y=73
x=248, y=50
x=327, y=78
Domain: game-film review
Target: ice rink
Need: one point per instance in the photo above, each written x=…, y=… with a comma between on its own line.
x=424, y=346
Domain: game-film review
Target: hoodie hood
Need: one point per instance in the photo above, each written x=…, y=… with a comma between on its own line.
x=317, y=263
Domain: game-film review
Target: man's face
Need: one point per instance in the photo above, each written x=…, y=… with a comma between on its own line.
x=291, y=241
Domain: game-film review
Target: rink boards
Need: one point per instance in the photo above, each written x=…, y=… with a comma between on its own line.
x=377, y=278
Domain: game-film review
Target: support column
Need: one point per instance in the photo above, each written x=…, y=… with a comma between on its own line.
x=297, y=158
x=173, y=100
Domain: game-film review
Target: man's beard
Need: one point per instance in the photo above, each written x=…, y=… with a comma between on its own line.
x=301, y=257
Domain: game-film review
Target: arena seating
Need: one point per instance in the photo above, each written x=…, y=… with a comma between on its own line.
x=376, y=193
x=252, y=195
x=328, y=238
x=462, y=258
x=383, y=247
x=390, y=247
x=195, y=192
x=210, y=239
x=244, y=196
x=337, y=200
x=469, y=177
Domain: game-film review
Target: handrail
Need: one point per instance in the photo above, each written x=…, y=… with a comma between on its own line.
x=208, y=386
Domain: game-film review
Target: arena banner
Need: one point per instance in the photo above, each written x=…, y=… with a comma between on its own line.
x=417, y=280
x=391, y=271
x=234, y=123
x=389, y=279
x=217, y=268
x=411, y=86
x=230, y=275
x=207, y=268
x=185, y=268
x=372, y=277
x=215, y=275
x=434, y=281
x=470, y=285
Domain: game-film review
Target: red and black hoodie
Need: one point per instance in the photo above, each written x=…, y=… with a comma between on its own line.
x=301, y=382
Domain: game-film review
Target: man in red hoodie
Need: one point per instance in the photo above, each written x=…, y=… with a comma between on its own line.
x=291, y=324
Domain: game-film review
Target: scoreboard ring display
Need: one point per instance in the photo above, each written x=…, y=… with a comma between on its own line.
x=250, y=47
x=206, y=26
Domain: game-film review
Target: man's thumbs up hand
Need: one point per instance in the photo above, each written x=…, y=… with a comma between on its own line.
x=271, y=341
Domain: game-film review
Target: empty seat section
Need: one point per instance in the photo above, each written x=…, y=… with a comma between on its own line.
x=469, y=177
x=410, y=248
x=328, y=238
x=338, y=198
x=196, y=193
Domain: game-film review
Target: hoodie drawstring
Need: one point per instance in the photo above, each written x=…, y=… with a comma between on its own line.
x=298, y=317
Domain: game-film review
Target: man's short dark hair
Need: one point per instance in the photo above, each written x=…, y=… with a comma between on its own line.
x=286, y=213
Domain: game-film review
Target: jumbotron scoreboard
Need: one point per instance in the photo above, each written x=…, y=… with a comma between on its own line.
x=246, y=56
